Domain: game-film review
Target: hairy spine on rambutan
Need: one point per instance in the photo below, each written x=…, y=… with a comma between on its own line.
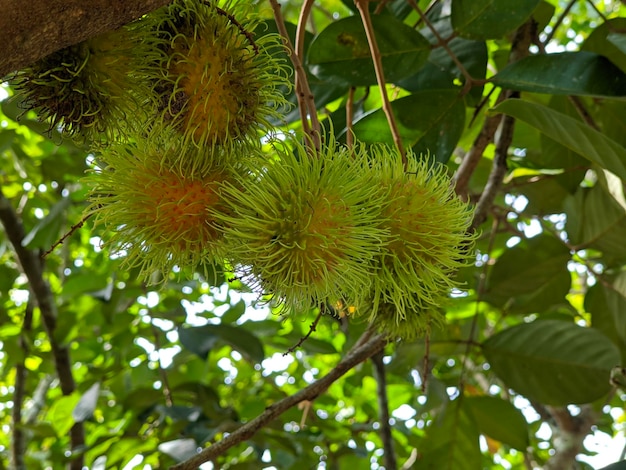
x=94, y=91
x=157, y=197
x=215, y=81
x=304, y=228
x=427, y=242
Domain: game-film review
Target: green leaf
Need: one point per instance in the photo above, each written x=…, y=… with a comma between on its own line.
x=442, y=72
x=126, y=449
x=46, y=232
x=489, y=19
x=341, y=52
x=618, y=40
x=531, y=276
x=567, y=73
x=606, y=301
x=602, y=40
x=545, y=194
x=60, y=413
x=553, y=362
x=200, y=340
x=570, y=133
x=500, y=420
x=436, y=128
x=318, y=346
x=234, y=312
x=452, y=441
x=596, y=220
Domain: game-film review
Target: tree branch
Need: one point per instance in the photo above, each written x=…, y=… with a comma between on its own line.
x=34, y=29
x=569, y=435
x=472, y=158
x=32, y=266
x=519, y=49
x=18, y=444
x=498, y=172
x=304, y=95
x=359, y=353
x=383, y=411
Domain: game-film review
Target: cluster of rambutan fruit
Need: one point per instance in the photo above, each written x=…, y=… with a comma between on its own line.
x=175, y=106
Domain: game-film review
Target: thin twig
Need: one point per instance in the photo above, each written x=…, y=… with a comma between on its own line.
x=350, y=117
x=380, y=76
x=583, y=113
x=426, y=363
x=299, y=53
x=305, y=11
x=306, y=103
x=469, y=81
x=312, y=328
x=69, y=233
x=600, y=14
x=32, y=266
x=383, y=411
x=249, y=36
x=559, y=21
x=430, y=6
x=355, y=356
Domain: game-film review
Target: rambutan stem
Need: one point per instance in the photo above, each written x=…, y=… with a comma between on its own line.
x=380, y=76
x=306, y=104
x=349, y=117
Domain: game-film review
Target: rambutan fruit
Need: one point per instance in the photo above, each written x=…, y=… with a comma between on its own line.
x=303, y=229
x=89, y=91
x=428, y=240
x=157, y=200
x=413, y=325
x=216, y=82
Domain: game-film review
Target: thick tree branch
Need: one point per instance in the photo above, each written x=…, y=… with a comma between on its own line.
x=519, y=50
x=359, y=353
x=472, y=158
x=32, y=266
x=569, y=434
x=383, y=411
x=30, y=30
x=498, y=172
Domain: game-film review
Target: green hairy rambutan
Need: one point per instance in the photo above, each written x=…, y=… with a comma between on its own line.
x=215, y=81
x=157, y=200
x=304, y=228
x=90, y=91
x=427, y=242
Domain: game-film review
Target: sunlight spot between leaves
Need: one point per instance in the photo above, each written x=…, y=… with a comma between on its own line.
x=276, y=363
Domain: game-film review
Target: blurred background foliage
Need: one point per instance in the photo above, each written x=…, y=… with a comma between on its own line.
x=525, y=374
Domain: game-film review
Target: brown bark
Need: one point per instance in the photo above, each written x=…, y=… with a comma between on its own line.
x=32, y=29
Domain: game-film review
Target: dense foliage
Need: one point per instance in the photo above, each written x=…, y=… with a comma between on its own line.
x=523, y=102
